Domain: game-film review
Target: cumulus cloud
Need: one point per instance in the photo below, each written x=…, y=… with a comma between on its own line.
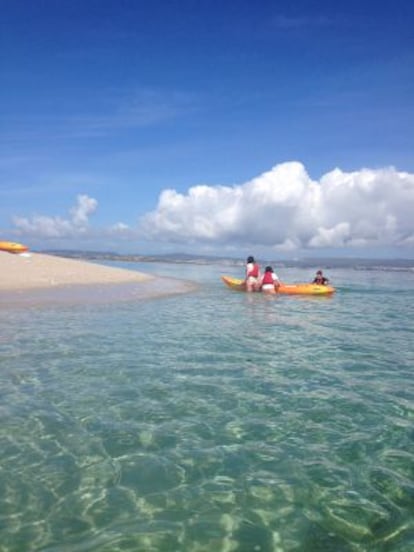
x=285, y=209
x=56, y=227
x=282, y=209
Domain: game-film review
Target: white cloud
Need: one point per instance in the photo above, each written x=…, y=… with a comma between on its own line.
x=41, y=226
x=80, y=213
x=284, y=209
x=119, y=228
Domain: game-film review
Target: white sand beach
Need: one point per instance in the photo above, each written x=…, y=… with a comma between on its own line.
x=39, y=279
x=36, y=271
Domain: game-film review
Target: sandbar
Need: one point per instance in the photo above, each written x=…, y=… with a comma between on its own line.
x=41, y=278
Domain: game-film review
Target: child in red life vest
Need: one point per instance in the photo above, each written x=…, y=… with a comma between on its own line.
x=252, y=275
x=270, y=281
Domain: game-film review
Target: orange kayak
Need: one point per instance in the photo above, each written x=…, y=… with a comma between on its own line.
x=12, y=247
x=287, y=289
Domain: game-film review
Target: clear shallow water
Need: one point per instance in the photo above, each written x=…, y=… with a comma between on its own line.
x=211, y=421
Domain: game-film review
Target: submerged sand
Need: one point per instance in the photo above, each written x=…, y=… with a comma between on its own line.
x=36, y=278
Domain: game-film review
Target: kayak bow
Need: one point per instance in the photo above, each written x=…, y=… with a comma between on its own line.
x=12, y=247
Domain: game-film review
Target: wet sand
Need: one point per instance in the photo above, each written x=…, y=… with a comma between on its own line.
x=36, y=278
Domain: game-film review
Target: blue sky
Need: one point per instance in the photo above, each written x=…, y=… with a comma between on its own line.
x=273, y=128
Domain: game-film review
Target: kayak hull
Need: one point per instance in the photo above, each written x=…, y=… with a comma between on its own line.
x=306, y=289
x=284, y=289
x=12, y=247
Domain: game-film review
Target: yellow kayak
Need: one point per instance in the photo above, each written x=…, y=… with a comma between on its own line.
x=12, y=247
x=288, y=289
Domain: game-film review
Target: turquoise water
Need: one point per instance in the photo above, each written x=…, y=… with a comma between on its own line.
x=211, y=421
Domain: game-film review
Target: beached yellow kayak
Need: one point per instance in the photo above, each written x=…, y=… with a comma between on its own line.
x=287, y=289
x=12, y=247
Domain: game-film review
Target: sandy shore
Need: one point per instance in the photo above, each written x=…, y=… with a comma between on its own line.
x=37, y=279
x=35, y=271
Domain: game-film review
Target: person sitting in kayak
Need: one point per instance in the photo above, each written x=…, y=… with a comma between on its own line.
x=270, y=281
x=252, y=275
x=320, y=279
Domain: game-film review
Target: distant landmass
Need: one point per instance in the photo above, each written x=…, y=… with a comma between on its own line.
x=186, y=258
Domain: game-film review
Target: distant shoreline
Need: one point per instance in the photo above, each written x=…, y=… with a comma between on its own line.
x=181, y=258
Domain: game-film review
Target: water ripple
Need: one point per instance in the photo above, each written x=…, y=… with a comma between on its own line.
x=209, y=422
